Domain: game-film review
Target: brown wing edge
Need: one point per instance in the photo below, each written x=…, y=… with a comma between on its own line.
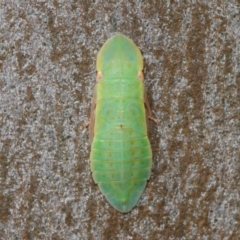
x=146, y=104
x=92, y=116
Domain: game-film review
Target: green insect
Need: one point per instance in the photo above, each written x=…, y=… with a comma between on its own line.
x=121, y=156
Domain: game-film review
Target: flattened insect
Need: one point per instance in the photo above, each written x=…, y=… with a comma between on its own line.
x=121, y=156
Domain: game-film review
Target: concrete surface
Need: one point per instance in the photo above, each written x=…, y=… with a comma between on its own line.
x=191, y=52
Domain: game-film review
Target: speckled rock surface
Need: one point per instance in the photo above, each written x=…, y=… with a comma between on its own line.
x=191, y=52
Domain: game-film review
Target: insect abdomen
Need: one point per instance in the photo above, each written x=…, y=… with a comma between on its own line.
x=121, y=174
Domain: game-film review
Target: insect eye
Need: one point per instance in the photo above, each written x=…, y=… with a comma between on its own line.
x=140, y=75
x=99, y=76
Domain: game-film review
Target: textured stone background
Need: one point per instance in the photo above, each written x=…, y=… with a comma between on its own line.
x=47, y=72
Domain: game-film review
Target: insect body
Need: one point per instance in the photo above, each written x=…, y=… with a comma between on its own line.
x=121, y=156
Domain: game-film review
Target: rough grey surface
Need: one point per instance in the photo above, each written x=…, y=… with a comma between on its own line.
x=191, y=51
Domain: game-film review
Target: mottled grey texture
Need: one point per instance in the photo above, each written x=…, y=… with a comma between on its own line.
x=191, y=52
